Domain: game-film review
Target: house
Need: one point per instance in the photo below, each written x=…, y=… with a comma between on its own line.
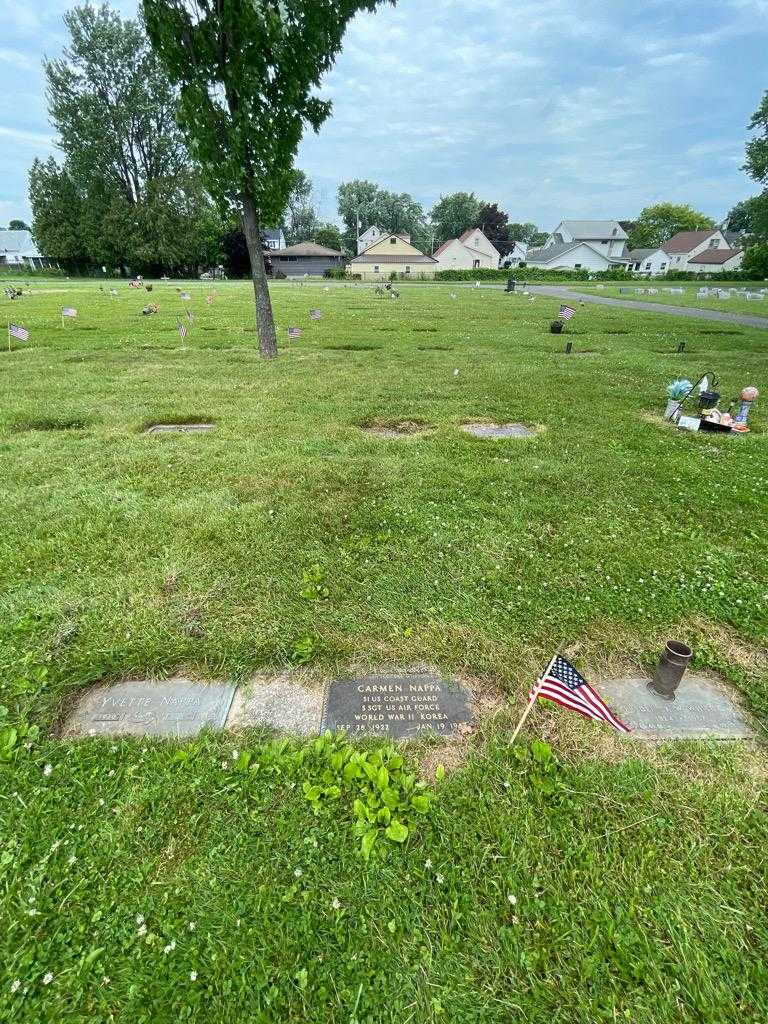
x=392, y=254
x=648, y=262
x=471, y=251
x=273, y=238
x=582, y=245
x=306, y=258
x=511, y=254
x=17, y=249
x=371, y=235
x=686, y=245
x=716, y=260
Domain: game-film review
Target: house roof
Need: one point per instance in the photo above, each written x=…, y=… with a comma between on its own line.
x=684, y=241
x=640, y=254
x=715, y=256
x=392, y=234
x=305, y=249
x=586, y=229
x=393, y=258
x=19, y=242
x=443, y=247
x=733, y=238
x=552, y=252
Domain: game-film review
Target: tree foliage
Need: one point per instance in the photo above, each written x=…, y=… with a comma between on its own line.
x=527, y=233
x=363, y=203
x=493, y=221
x=658, y=223
x=330, y=236
x=751, y=217
x=126, y=193
x=18, y=225
x=247, y=71
x=454, y=214
x=756, y=165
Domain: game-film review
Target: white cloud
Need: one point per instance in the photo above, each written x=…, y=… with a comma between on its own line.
x=19, y=60
x=24, y=138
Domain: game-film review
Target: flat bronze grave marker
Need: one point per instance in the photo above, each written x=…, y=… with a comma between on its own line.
x=179, y=428
x=700, y=710
x=142, y=707
x=396, y=705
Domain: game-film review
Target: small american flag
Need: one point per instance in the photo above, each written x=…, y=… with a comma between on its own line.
x=562, y=684
x=182, y=329
x=68, y=311
x=185, y=296
x=134, y=284
x=209, y=300
x=315, y=314
x=15, y=331
x=566, y=312
x=294, y=332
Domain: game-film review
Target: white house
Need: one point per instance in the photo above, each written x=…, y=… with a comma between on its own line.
x=686, y=245
x=648, y=262
x=512, y=253
x=17, y=249
x=583, y=245
x=273, y=238
x=471, y=251
x=716, y=261
x=369, y=237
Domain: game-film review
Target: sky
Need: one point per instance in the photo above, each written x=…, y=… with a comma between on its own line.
x=552, y=108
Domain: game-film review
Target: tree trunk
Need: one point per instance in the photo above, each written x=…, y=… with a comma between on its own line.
x=265, y=323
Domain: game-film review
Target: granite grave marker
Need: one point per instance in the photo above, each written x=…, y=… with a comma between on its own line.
x=700, y=710
x=143, y=707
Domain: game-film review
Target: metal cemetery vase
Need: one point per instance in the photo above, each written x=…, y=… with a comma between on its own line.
x=669, y=671
x=556, y=327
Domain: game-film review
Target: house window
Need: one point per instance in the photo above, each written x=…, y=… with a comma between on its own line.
x=577, y=266
x=648, y=265
x=376, y=268
x=713, y=243
x=392, y=241
x=662, y=266
x=475, y=264
x=407, y=270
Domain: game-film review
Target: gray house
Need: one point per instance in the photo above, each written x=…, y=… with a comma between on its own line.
x=306, y=258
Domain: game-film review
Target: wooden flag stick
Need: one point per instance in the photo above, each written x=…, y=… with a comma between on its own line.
x=532, y=699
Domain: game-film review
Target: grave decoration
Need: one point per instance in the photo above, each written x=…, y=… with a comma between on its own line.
x=566, y=313
x=669, y=671
x=561, y=683
x=708, y=416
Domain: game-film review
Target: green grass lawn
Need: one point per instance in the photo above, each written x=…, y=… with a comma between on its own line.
x=735, y=304
x=152, y=882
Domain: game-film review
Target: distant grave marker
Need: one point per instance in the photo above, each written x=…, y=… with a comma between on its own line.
x=700, y=710
x=179, y=428
x=497, y=430
x=398, y=705
x=279, y=703
x=142, y=707
x=394, y=431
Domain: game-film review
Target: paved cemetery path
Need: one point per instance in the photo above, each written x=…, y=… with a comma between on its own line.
x=746, y=319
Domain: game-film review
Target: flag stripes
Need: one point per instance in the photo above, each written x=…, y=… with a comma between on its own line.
x=315, y=314
x=294, y=332
x=566, y=312
x=68, y=311
x=16, y=331
x=182, y=328
x=563, y=685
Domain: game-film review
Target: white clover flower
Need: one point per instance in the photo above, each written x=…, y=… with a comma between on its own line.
x=335, y=904
x=139, y=919
x=48, y=769
x=512, y=898
x=47, y=978
x=427, y=863
x=15, y=985
x=298, y=872
x=439, y=879
x=142, y=929
x=105, y=980
x=170, y=947
x=193, y=975
x=192, y=925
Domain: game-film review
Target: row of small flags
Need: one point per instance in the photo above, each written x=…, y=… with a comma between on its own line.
x=314, y=314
